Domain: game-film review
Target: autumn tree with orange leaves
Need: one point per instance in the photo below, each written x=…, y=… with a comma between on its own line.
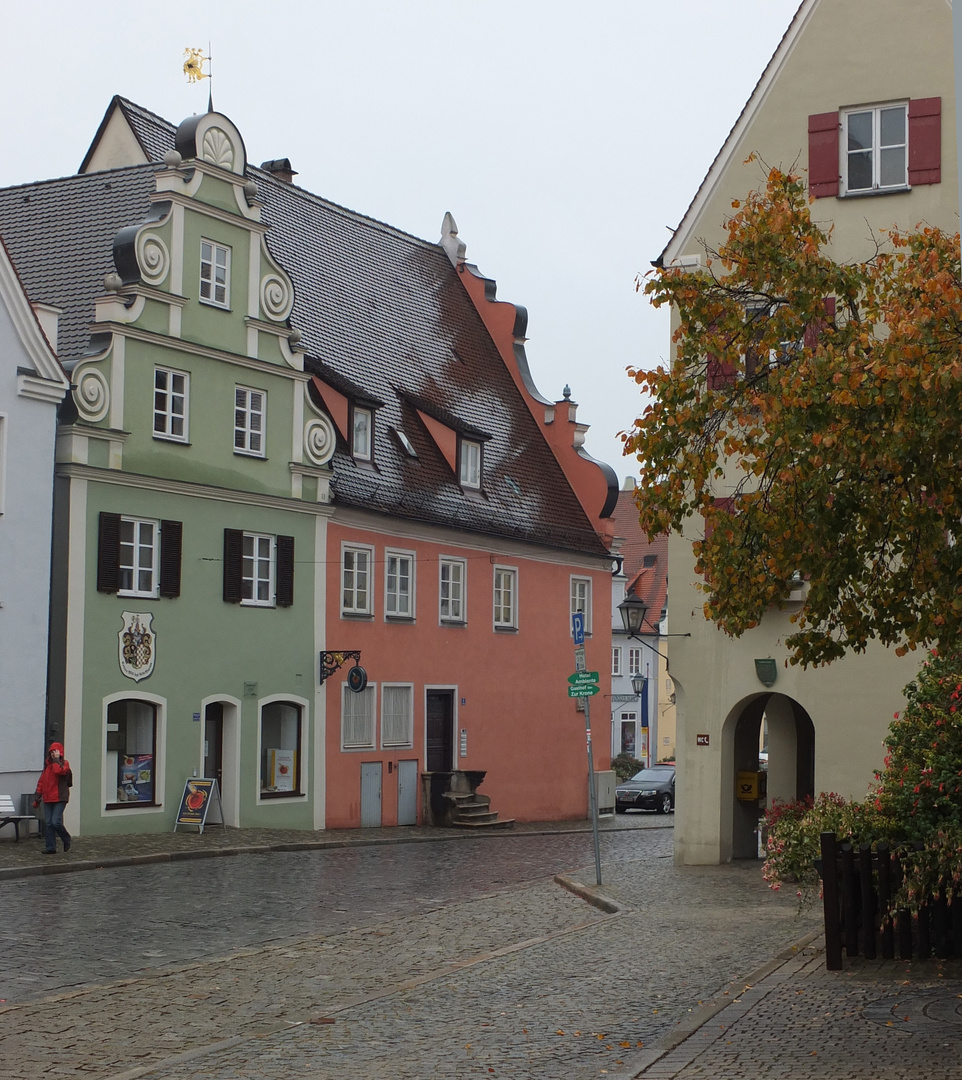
x=812, y=417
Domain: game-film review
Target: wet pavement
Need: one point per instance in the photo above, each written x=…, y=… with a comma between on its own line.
x=424, y=953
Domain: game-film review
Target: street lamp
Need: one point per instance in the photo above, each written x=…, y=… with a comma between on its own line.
x=639, y=684
x=633, y=612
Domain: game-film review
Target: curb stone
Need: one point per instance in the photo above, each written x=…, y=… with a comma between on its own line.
x=726, y=996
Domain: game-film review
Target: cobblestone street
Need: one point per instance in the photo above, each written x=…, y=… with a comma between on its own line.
x=455, y=959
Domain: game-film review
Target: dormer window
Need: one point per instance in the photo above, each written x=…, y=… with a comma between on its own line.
x=214, y=274
x=469, y=463
x=362, y=433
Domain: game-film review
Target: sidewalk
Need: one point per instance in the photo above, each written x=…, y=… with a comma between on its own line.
x=874, y=1020
x=24, y=859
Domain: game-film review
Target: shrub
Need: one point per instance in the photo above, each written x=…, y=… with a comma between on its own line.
x=625, y=767
x=916, y=804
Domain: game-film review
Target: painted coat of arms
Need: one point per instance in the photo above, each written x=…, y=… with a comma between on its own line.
x=138, y=645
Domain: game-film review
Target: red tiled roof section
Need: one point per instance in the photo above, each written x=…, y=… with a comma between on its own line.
x=645, y=562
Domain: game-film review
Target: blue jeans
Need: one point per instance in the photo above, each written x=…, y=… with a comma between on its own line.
x=53, y=824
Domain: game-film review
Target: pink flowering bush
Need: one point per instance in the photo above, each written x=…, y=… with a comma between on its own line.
x=916, y=804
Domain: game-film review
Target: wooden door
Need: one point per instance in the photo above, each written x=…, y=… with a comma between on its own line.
x=440, y=730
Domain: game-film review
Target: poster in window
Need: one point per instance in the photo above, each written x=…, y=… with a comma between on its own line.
x=280, y=770
x=628, y=737
x=135, y=778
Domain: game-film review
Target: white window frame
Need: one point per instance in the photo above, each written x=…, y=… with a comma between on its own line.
x=357, y=723
x=616, y=660
x=109, y=807
x=174, y=402
x=214, y=257
x=253, y=563
x=634, y=660
x=271, y=798
x=398, y=602
x=349, y=585
x=397, y=733
x=250, y=421
x=469, y=463
x=876, y=149
x=362, y=435
x=457, y=590
x=136, y=546
x=505, y=615
x=580, y=597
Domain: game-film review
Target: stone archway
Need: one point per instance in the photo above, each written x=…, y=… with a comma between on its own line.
x=791, y=762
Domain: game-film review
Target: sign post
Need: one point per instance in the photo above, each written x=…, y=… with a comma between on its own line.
x=584, y=684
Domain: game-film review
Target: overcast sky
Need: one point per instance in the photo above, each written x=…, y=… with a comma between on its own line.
x=564, y=136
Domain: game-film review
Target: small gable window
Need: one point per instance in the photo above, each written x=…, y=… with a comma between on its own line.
x=362, y=432
x=214, y=274
x=170, y=404
x=469, y=463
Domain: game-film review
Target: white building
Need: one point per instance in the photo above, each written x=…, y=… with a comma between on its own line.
x=32, y=384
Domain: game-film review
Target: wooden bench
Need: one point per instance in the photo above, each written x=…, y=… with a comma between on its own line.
x=9, y=815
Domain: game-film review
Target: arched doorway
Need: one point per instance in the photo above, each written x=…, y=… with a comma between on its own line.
x=789, y=735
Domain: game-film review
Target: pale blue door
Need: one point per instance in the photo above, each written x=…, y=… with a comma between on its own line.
x=407, y=793
x=371, y=795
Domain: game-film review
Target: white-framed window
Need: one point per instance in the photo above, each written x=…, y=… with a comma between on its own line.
x=397, y=715
x=634, y=661
x=469, y=463
x=874, y=148
x=139, y=550
x=214, y=274
x=399, y=584
x=362, y=431
x=357, y=579
x=357, y=718
x=280, y=742
x=131, y=754
x=505, y=598
x=257, y=570
x=616, y=660
x=452, y=592
x=170, y=403
x=250, y=417
x=581, y=599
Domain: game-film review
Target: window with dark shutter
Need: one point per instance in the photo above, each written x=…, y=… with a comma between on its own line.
x=285, y=571
x=925, y=141
x=233, y=565
x=108, y=553
x=814, y=329
x=823, y=154
x=171, y=548
x=720, y=373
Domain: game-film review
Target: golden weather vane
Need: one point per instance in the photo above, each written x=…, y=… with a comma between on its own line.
x=194, y=65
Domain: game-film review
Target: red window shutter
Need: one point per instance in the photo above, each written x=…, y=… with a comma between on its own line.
x=108, y=553
x=823, y=154
x=233, y=565
x=726, y=505
x=814, y=329
x=925, y=141
x=171, y=546
x=719, y=373
x=285, y=571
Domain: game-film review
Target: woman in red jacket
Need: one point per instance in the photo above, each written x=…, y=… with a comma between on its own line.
x=53, y=788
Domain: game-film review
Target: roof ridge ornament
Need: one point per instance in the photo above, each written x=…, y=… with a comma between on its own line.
x=194, y=70
x=454, y=247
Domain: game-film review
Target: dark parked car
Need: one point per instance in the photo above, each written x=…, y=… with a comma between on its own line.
x=650, y=789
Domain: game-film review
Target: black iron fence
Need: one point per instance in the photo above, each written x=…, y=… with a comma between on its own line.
x=858, y=891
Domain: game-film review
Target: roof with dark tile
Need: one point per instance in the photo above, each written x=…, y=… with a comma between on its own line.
x=378, y=309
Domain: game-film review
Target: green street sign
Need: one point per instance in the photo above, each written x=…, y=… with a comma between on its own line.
x=582, y=678
x=585, y=690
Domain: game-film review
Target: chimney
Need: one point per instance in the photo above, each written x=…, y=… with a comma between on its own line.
x=281, y=168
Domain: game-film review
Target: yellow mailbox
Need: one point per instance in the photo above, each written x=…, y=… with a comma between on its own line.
x=747, y=786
